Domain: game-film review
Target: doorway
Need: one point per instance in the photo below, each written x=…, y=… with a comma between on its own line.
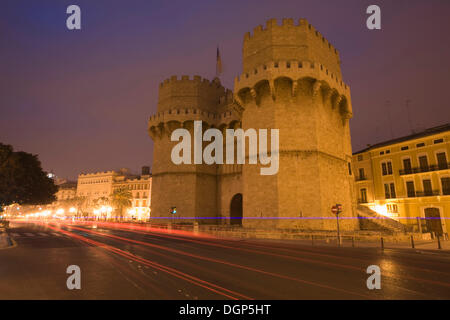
x=236, y=210
x=433, y=218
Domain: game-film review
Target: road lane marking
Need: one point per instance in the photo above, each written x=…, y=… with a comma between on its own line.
x=43, y=234
x=29, y=234
x=56, y=234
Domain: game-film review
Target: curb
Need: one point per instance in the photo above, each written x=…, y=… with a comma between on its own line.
x=6, y=242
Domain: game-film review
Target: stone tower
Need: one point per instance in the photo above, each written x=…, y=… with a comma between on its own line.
x=291, y=81
x=192, y=188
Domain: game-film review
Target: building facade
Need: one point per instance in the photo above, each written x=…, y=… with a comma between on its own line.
x=408, y=179
x=98, y=189
x=66, y=191
x=291, y=81
x=140, y=189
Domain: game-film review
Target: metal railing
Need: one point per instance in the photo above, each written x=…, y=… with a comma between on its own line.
x=429, y=193
x=429, y=168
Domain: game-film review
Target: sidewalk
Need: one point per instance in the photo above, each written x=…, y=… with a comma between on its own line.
x=428, y=245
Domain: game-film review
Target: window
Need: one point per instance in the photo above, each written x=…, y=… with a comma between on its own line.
x=388, y=151
x=438, y=141
x=442, y=160
x=349, y=169
x=420, y=145
x=407, y=165
x=386, y=168
x=423, y=163
x=361, y=174
x=427, y=190
x=381, y=153
x=389, y=190
x=445, y=186
x=405, y=148
x=144, y=203
x=411, y=191
x=387, y=193
x=393, y=190
x=363, y=195
x=389, y=167
x=360, y=157
x=392, y=208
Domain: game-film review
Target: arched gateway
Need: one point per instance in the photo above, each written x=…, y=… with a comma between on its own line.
x=236, y=210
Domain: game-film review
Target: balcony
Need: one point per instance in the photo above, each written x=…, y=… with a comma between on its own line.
x=360, y=178
x=430, y=193
x=433, y=167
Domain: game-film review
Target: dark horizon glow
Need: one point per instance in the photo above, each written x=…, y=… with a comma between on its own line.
x=81, y=99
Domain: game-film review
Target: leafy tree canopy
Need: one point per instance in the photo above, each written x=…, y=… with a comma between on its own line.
x=22, y=179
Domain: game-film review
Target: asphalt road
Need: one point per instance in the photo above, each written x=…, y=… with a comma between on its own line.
x=119, y=261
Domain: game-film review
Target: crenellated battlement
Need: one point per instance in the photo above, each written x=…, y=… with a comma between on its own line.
x=185, y=92
x=324, y=80
x=293, y=69
x=215, y=119
x=289, y=23
x=96, y=174
x=288, y=41
x=185, y=78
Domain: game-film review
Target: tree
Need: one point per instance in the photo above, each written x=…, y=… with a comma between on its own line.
x=101, y=202
x=121, y=198
x=22, y=179
x=78, y=202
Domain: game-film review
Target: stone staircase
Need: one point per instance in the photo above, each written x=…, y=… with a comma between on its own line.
x=373, y=220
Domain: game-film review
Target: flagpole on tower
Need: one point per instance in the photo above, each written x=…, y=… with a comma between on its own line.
x=218, y=63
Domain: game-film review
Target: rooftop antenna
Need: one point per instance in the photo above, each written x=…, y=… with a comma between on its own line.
x=388, y=107
x=409, y=116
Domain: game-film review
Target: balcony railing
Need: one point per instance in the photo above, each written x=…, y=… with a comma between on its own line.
x=361, y=178
x=433, y=167
x=430, y=193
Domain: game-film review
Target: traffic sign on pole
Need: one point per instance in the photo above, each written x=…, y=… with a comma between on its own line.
x=336, y=209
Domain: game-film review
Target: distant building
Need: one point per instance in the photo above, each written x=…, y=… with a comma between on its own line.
x=66, y=191
x=140, y=188
x=408, y=179
x=96, y=185
x=98, y=189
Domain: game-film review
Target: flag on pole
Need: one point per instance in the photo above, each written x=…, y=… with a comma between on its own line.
x=218, y=64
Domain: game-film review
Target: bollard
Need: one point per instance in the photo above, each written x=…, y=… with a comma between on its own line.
x=412, y=242
x=196, y=227
x=439, y=242
x=382, y=243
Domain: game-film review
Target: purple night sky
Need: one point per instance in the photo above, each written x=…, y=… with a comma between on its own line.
x=81, y=99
